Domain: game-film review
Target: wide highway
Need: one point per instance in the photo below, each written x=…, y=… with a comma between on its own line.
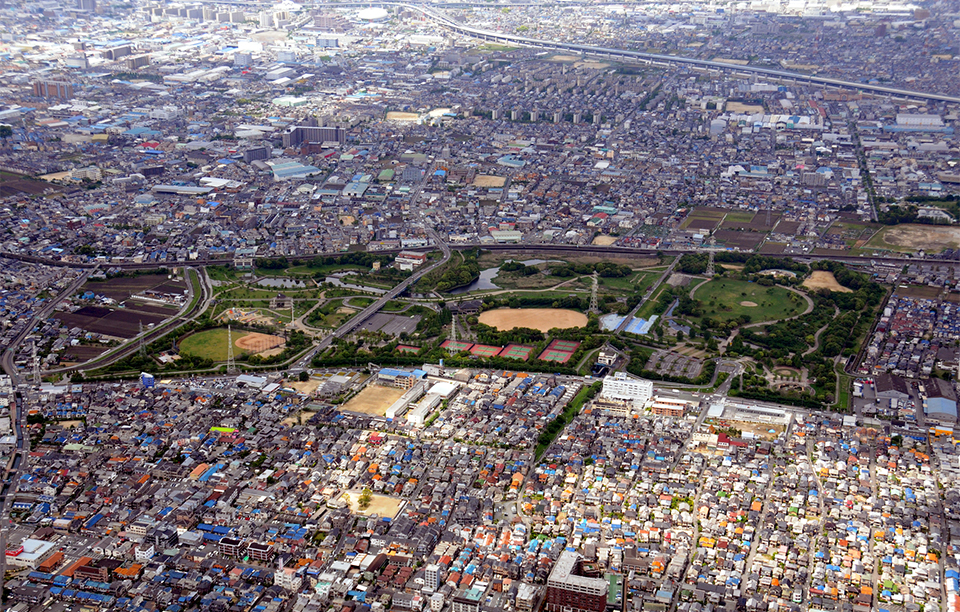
x=627, y=55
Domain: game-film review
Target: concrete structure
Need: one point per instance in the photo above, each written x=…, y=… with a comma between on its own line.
x=622, y=387
x=569, y=591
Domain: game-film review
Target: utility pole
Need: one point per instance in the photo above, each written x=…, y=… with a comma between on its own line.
x=231, y=365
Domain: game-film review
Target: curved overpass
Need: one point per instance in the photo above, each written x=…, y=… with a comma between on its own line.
x=625, y=54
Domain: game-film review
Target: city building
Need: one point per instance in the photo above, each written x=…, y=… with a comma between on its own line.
x=622, y=387
x=53, y=89
x=569, y=591
x=467, y=600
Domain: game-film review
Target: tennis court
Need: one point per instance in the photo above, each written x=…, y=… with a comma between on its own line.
x=559, y=350
x=558, y=356
x=484, y=350
x=455, y=346
x=406, y=348
x=564, y=345
x=517, y=351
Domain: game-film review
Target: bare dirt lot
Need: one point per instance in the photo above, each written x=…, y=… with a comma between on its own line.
x=400, y=116
x=373, y=400
x=543, y=319
x=748, y=304
x=381, y=505
x=259, y=343
x=307, y=387
x=486, y=180
x=605, y=240
x=821, y=279
x=931, y=238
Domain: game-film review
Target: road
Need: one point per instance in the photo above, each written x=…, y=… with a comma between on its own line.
x=19, y=412
x=649, y=294
x=164, y=329
x=372, y=309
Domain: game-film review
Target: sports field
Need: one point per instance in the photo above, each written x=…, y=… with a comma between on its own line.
x=484, y=350
x=405, y=348
x=559, y=350
x=729, y=299
x=543, y=319
x=373, y=400
x=455, y=346
x=517, y=351
x=211, y=344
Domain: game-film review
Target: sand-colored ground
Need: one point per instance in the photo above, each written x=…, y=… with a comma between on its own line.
x=821, y=279
x=256, y=342
x=345, y=310
x=931, y=238
x=487, y=180
x=71, y=424
x=373, y=400
x=748, y=304
x=591, y=65
x=399, y=116
x=605, y=240
x=740, y=107
x=381, y=505
x=565, y=58
x=543, y=319
x=308, y=386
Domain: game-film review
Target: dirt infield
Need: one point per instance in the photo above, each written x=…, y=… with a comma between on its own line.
x=373, y=400
x=821, y=279
x=543, y=319
x=486, y=180
x=258, y=343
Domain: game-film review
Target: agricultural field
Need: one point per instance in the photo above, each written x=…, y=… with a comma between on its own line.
x=855, y=235
x=703, y=219
x=120, y=288
x=113, y=322
x=13, y=184
x=730, y=299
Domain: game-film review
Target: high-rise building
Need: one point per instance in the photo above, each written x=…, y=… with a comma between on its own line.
x=251, y=155
x=87, y=5
x=570, y=591
x=431, y=576
x=53, y=89
x=623, y=388
x=300, y=134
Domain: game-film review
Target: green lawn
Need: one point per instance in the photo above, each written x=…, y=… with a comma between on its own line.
x=636, y=281
x=729, y=299
x=211, y=344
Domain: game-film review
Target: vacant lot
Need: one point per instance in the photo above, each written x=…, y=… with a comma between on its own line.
x=730, y=299
x=605, y=240
x=381, y=505
x=821, y=279
x=745, y=241
x=485, y=180
x=911, y=238
x=373, y=400
x=543, y=319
